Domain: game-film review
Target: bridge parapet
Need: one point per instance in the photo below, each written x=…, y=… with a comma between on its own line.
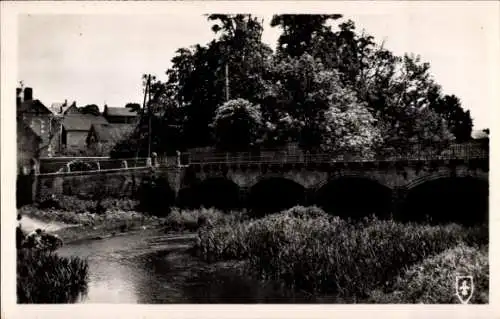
x=419, y=153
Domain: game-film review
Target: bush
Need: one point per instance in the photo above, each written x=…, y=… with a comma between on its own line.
x=47, y=278
x=433, y=280
x=329, y=255
x=79, y=205
x=193, y=220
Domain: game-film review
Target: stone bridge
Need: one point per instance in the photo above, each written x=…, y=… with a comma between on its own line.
x=401, y=187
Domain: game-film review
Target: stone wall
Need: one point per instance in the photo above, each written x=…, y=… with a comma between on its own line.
x=112, y=183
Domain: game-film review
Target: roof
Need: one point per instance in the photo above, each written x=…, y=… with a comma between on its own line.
x=58, y=108
x=61, y=108
x=112, y=132
x=32, y=106
x=120, y=111
x=81, y=122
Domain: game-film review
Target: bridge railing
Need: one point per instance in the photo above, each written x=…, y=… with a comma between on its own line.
x=79, y=164
x=456, y=151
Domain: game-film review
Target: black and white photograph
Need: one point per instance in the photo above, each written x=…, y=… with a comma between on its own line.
x=336, y=157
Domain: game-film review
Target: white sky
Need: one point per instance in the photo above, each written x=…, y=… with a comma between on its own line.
x=94, y=59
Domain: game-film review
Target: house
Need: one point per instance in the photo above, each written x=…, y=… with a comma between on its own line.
x=103, y=137
x=75, y=129
x=120, y=115
x=39, y=119
x=61, y=109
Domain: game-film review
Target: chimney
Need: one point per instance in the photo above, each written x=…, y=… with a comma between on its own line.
x=19, y=98
x=28, y=94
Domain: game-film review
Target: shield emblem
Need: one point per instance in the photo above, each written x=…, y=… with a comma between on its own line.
x=465, y=288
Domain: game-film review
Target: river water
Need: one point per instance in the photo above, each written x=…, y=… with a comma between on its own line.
x=149, y=267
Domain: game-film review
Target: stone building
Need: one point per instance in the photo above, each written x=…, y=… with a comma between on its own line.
x=75, y=129
x=103, y=137
x=41, y=121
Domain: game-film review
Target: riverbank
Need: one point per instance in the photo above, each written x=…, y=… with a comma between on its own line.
x=72, y=226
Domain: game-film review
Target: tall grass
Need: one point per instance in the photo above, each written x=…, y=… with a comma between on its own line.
x=433, y=280
x=43, y=277
x=312, y=251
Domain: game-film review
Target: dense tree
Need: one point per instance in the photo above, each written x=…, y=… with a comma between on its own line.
x=136, y=107
x=398, y=90
x=237, y=125
x=300, y=31
x=326, y=87
x=90, y=109
x=197, y=78
x=310, y=104
x=458, y=120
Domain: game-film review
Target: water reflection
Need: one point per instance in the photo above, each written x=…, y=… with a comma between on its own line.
x=152, y=269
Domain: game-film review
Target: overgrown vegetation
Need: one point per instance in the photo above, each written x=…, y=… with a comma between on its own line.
x=312, y=251
x=44, y=277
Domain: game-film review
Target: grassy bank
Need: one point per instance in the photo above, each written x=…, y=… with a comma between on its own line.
x=48, y=278
x=85, y=219
x=309, y=250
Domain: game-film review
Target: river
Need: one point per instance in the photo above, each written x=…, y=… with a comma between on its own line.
x=149, y=267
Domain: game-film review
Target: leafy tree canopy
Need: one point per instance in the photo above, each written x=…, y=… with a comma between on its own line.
x=327, y=87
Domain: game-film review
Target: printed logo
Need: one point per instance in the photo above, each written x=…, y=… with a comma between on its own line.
x=465, y=288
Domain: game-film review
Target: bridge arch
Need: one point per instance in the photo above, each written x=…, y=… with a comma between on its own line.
x=156, y=195
x=354, y=196
x=439, y=175
x=271, y=194
x=217, y=192
x=442, y=198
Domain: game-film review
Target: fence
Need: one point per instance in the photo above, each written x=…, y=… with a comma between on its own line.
x=415, y=153
x=264, y=156
x=77, y=164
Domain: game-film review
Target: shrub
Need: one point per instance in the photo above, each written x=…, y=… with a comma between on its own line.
x=47, y=278
x=80, y=205
x=306, y=212
x=329, y=255
x=192, y=220
x=433, y=280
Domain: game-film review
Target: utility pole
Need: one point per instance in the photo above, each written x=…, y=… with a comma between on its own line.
x=149, y=116
x=148, y=103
